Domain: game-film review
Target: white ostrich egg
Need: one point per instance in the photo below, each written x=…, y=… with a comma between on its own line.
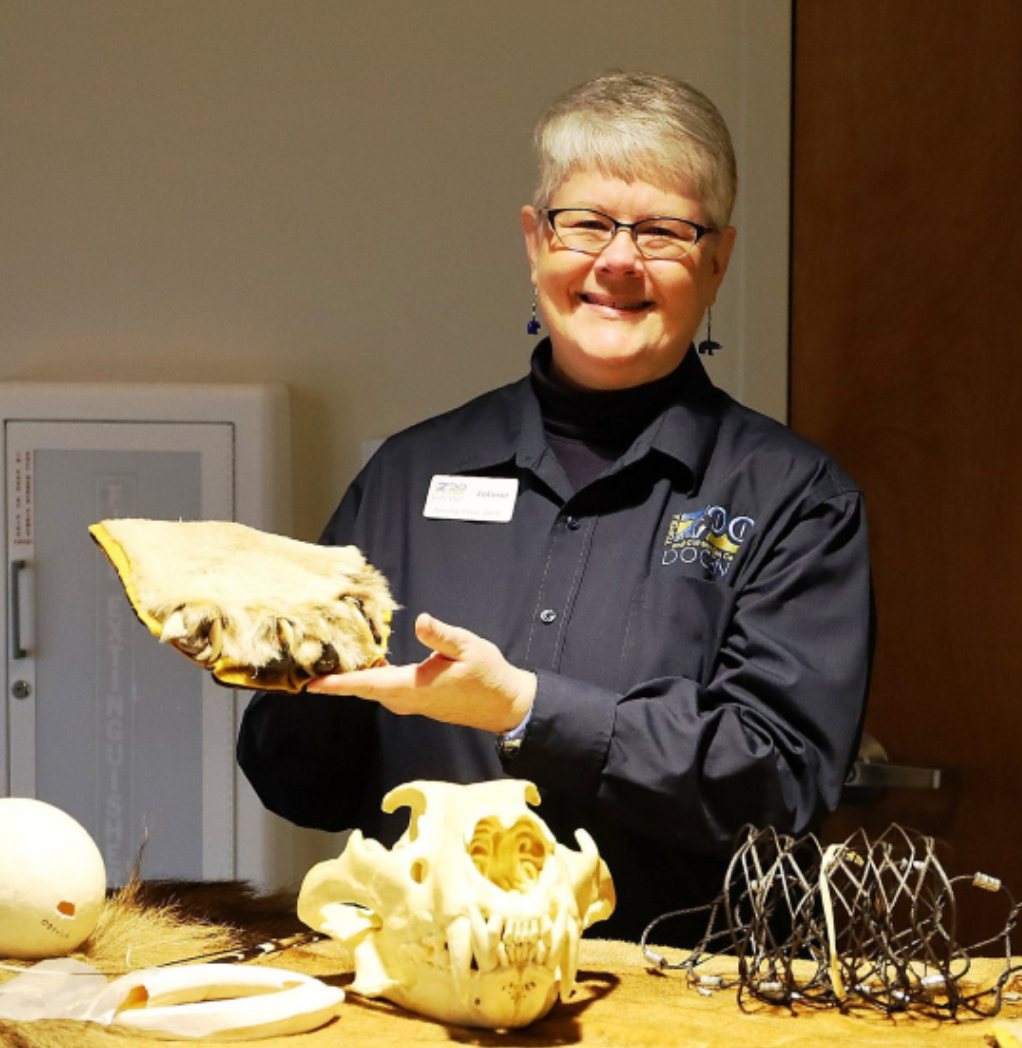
x=52, y=880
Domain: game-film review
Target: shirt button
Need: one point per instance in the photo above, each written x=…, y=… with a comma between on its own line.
x=574, y=523
x=548, y=615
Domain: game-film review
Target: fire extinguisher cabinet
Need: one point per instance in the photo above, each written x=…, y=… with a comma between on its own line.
x=100, y=720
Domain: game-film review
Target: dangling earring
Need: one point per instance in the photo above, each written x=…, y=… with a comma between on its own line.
x=708, y=347
x=534, y=325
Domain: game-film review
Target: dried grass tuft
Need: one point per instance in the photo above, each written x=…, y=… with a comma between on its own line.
x=135, y=932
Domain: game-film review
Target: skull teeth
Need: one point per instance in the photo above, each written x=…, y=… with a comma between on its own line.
x=504, y=942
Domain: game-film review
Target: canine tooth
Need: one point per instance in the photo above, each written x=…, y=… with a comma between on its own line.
x=483, y=945
x=459, y=946
x=569, y=961
x=502, y=957
x=541, y=952
x=556, y=944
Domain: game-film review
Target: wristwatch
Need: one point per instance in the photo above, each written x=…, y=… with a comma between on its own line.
x=508, y=745
x=510, y=742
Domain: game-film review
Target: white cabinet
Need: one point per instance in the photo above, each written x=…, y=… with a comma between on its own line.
x=121, y=732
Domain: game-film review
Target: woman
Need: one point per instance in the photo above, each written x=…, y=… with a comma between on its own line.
x=665, y=623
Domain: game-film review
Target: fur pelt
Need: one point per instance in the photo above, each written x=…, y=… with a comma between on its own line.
x=255, y=609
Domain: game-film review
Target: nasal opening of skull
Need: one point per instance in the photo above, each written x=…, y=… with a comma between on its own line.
x=511, y=858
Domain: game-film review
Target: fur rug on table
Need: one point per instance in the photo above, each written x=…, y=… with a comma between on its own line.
x=146, y=924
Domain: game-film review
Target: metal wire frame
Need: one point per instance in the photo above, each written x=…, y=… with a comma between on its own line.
x=861, y=923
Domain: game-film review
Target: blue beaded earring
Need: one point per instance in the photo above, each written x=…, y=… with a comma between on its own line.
x=708, y=347
x=534, y=325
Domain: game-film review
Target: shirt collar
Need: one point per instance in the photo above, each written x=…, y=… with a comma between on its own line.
x=686, y=431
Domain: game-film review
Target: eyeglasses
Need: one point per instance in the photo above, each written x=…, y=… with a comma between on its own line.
x=588, y=231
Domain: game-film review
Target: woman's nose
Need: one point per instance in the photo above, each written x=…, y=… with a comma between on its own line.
x=622, y=252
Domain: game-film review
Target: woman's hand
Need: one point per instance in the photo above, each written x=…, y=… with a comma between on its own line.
x=466, y=680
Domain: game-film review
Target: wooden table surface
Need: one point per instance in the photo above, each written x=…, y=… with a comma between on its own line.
x=618, y=1003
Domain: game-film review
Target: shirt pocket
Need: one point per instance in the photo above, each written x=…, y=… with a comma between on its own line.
x=675, y=627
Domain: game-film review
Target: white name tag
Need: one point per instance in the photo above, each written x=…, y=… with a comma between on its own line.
x=489, y=499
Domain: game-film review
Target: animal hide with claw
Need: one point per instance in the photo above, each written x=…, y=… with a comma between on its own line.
x=257, y=610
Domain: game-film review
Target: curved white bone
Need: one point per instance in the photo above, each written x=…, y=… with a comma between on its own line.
x=216, y=1002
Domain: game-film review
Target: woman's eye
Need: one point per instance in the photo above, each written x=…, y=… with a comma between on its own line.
x=661, y=232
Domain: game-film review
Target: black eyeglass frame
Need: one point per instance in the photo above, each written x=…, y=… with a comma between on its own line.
x=552, y=212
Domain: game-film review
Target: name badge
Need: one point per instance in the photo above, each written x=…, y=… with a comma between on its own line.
x=490, y=499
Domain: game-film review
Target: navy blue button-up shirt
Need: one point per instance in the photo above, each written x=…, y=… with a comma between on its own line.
x=698, y=616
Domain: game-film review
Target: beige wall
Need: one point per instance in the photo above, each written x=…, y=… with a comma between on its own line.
x=250, y=190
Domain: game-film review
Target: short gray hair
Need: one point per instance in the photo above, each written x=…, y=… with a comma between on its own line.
x=639, y=126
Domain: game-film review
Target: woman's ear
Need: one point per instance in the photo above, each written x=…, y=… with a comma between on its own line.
x=532, y=230
x=721, y=258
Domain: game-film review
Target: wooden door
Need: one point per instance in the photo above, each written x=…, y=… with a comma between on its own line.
x=907, y=366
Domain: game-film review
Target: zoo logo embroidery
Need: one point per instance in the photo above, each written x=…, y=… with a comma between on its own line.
x=710, y=537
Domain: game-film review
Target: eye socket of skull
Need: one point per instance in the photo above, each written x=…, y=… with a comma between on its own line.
x=511, y=858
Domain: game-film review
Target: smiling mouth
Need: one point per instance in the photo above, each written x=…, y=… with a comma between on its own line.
x=609, y=304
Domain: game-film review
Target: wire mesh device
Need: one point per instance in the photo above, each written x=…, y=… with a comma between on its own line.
x=862, y=923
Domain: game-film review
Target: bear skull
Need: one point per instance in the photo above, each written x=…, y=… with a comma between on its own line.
x=474, y=917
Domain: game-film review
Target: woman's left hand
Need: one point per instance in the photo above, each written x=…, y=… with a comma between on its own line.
x=466, y=680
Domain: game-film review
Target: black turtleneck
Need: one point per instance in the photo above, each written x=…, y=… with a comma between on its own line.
x=590, y=429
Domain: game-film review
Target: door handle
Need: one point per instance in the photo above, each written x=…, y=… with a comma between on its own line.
x=871, y=776
x=873, y=773
x=16, y=568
